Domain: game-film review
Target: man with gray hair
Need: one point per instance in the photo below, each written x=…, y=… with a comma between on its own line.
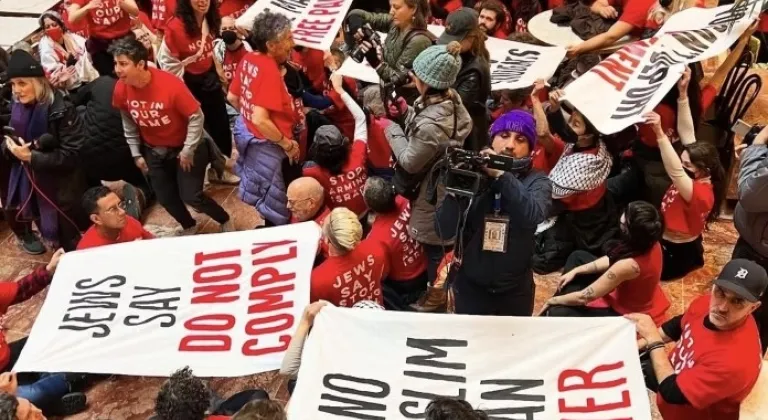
x=306, y=200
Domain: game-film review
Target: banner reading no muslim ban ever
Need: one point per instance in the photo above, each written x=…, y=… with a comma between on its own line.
x=224, y=304
x=315, y=23
x=632, y=81
x=376, y=365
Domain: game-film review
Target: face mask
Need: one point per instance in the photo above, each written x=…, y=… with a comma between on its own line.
x=690, y=173
x=568, y=135
x=55, y=33
x=229, y=37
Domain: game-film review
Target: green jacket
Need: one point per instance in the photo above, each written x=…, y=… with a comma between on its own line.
x=398, y=58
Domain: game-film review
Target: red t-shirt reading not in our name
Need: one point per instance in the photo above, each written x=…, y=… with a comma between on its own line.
x=258, y=82
x=347, y=279
x=132, y=231
x=406, y=257
x=162, y=12
x=345, y=189
x=161, y=109
x=108, y=21
x=231, y=61
x=233, y=8
x=182, y=45
x=715, y=370
x=688, y=218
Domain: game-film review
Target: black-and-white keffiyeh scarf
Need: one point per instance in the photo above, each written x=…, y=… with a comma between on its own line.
x=580, y=172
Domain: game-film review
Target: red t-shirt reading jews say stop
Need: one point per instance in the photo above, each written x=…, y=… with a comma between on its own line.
x=132, y=231
x=108, y=21
x=231, y=61
x=182, y=45
x=345, y=189
x=161, y=109
x=406, y=257
x=347, y=279
x=715, y=370
x=258, y=82
x=688, y=218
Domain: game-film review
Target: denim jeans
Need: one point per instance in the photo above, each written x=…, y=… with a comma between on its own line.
x=46, y=391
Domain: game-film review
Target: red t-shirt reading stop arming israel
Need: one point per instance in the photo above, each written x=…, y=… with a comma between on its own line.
x=231, y=61
x=345, y=189
x=132, y=231
x=108, y=21
x=348, y=279
x=258, y=82
x=688, y=218
x=406, y=257
x=182, y=45
x=161, y=109
x=715, y=370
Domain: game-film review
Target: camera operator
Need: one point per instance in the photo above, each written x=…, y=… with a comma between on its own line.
x=437, y=120
x=407, y=37
x=495, y=275
x=751, y=215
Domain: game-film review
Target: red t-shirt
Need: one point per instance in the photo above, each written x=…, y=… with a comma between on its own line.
x=145, y=20
x=161, y=109
x=347, y=279
x=543, y=161
x=319, y=219
x=258, y=82
x=406, y=257
x=182, y=45
x=763, y=25
x=8, y=290
x=688, y=218
x=345, y=189
x=232, y=60
x=79, y=28
x=233, y=8
x=708, y=95
x=162, y=12
x=715, y=370
x=587, y=199
x=642, y=294
x=312, y=63
x=379, y=152
x=338, y=112
x=108, y=21
x=132, y=231
x=668, y=116
x=638, y=13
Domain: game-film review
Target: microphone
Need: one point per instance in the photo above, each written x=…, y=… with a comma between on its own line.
x=46, y=142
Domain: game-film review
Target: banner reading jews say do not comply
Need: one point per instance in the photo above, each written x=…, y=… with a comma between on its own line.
x=378, y=365
x=632, y=81
x=315, y=23
x=223, y=304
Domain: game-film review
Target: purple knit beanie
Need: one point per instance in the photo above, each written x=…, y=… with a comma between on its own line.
x=519, y=122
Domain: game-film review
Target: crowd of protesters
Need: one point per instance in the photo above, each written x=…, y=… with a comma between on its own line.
x=126, y=103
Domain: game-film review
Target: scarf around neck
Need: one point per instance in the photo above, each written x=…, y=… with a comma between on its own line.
x=577, y=172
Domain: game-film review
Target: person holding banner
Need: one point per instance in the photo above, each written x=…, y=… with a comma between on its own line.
x=636, y=16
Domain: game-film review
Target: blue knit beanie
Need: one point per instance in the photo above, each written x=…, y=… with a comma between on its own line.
x=516, y=121
x=438, y=66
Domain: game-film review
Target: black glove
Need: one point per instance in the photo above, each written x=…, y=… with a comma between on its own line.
x=71, y=60
x=372, y=55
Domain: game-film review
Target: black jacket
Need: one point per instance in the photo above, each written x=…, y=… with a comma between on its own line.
x=474, y=86
x=526, y=202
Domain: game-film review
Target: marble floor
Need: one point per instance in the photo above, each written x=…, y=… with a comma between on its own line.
x=132, y=398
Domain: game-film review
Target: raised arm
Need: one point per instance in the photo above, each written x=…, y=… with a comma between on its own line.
x=684, y=117
x=672, y=163
x=361, y=128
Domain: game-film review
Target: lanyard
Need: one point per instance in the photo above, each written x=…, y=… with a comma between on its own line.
x=497, y=203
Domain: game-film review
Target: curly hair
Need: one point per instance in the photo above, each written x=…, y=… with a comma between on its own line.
x=261, y=410
x=644, y=228
x=332, y=158
x=186, y=13
x=182, y=397
x=268, y=26
x=8, y=406
x=706, y=157
x=443, y=408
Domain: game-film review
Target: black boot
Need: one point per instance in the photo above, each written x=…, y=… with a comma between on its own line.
x=69, y=404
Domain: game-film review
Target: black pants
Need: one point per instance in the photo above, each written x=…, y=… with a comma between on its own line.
x=745, y=251
x=118, y=170
x=234, y=403
x=579, y=283
x=435, y=254
x=681, y=259
x=174, y=187
x=102, y=60
x=399, y=295
x=206, y=88
x=474, y=299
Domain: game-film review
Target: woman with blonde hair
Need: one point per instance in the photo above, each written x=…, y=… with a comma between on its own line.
x=45, y=182
x=354, y=269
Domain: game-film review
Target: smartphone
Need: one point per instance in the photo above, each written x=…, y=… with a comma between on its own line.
x=10, y=132
x=741, y=128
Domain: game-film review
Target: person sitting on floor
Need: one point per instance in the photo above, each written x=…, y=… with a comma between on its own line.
x=630, y=276
x=111, y=223
x=261, y=410
x=306, y=201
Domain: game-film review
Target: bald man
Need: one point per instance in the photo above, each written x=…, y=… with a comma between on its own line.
x=306, y=201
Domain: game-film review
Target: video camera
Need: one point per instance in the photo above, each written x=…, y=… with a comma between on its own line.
x=355, y=23
x=465, y=169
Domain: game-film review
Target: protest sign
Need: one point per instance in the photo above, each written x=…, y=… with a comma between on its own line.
x=632, y=81
x=391, y=364
x=224, y=304
x=315, y=23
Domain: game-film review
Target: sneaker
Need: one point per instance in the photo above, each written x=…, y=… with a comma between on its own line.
x=226, y=177
x=131, y=201
x=31, y=244
x=227, y=226
x=188, y=231
x=69, y=404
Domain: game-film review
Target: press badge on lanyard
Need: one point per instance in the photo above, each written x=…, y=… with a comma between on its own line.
x=495, y=231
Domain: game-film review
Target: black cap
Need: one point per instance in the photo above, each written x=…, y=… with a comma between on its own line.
x=23, y=64
x=458, y=24
x=745, y=278
x=329, y=135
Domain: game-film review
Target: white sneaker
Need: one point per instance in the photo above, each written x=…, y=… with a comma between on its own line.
x=226, y=178
x=188, y=231
x=227, y=226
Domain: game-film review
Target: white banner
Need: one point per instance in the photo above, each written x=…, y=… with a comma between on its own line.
x=315, y=22
x=514, y=65
x=632, y=81
x=224, y=304
x=391, y=364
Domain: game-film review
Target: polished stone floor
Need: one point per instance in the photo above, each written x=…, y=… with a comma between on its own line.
x=129, y=398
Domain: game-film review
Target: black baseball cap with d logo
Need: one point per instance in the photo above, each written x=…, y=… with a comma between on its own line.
x=745, y=278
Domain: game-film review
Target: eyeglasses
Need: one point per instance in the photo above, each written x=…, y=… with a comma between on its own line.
x=293, y=203
x=116, y=210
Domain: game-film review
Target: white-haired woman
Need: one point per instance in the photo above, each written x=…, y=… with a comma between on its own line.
x=45, y=182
